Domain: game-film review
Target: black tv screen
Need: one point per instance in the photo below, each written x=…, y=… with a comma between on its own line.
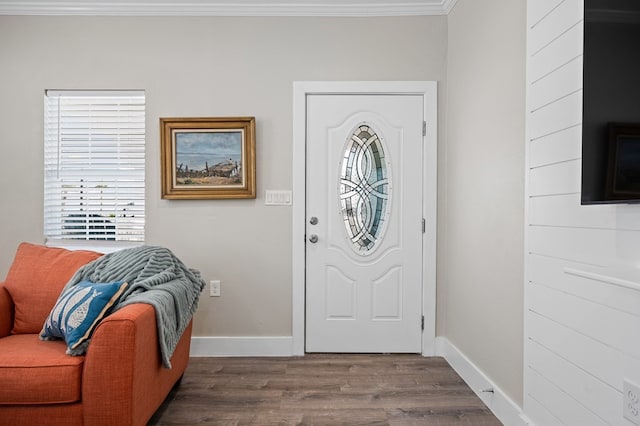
x=611, y=95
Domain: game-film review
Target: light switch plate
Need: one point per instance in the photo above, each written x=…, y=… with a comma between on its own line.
x=277, y=197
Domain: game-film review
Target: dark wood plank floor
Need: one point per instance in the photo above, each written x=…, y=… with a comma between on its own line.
x=323, y=390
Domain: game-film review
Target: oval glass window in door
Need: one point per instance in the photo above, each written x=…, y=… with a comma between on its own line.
x=364, y=189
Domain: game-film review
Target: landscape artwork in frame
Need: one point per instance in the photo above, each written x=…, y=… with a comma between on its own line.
x=208, y=158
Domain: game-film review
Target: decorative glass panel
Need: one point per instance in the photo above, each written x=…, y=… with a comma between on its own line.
x=364, y=189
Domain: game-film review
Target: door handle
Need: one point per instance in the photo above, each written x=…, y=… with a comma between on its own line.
x=313, y=220
x=313, y=238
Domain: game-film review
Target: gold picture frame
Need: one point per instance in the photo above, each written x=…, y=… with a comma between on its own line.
x=208, y=158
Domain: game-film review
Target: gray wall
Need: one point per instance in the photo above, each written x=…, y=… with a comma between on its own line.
x=199, y=67
x=246, y=66
x=480, y=288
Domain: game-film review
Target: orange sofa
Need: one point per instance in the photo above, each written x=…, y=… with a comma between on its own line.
x=120, y=381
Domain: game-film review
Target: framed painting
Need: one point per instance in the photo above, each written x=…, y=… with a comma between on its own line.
x=208, y=158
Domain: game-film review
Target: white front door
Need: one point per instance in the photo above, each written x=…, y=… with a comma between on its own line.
x=364, y=222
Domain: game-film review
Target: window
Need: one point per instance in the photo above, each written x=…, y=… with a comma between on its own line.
x=94, y=163
x=365, y=189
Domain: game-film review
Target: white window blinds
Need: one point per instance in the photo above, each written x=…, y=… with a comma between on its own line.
x=94, y=158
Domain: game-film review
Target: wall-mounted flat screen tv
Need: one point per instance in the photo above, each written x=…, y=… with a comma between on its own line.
x=611, y=95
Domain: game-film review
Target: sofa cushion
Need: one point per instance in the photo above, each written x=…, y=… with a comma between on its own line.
x=37, y=372
x=35, y=280
x=78, y=311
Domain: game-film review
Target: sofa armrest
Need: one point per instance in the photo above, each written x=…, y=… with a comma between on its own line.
x=6, y=311
x=123, y=381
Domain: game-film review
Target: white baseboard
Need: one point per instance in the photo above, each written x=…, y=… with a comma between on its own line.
x=503, y=407
x=241, y=346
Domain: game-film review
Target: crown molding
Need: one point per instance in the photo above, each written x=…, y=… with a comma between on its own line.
x=227, y=8
x=447, y=6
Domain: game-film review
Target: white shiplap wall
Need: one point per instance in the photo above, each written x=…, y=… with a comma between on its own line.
x=582, y=297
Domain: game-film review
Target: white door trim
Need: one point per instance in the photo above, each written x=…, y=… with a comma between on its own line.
x=301, y=90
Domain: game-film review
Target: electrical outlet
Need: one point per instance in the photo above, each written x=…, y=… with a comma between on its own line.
x=631, y=401
x=214, y=288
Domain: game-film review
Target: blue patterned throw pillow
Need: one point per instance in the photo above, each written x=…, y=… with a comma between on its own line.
x=78, y=311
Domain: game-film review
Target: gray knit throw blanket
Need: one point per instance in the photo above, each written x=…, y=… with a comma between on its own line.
x=156, y=277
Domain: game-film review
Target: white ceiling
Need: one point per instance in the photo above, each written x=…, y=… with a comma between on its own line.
x=228, y=7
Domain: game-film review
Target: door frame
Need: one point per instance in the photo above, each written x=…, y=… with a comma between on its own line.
x=302, y=89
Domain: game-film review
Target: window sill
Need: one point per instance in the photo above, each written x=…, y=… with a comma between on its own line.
x=93, y=245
